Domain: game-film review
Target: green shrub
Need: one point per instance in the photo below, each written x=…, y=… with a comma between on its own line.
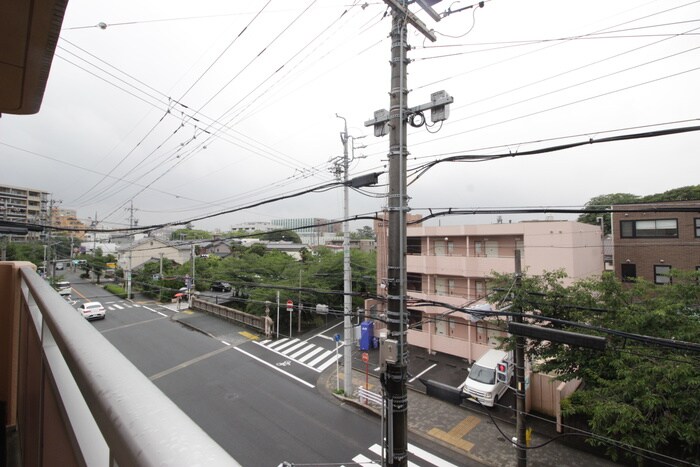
x=116, y=290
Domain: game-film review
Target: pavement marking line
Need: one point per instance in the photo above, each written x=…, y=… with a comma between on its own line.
x=249, y=335
x=285, y=345
x=324, y=337
x=422, y=372
x=162, y=314
x=310, y=354
x=302, y=351
x=375, y=448
x=283, y=355
x=224, y=342
x=119, y=307
x=150, y=309
x=294, y=347
x=273, y=367
x=118, y=328
x=426, y=456
x=328, y=362
x=187, y=363
x=321, y=357
x=364, y=461
x=456, y=434
x=276, y=343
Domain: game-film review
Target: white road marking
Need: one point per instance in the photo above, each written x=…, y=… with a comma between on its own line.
x=321, y=357
x=225, y=343
x=302, y=351
x=275, y=368
x=310, y=354
x=150, y=309
x=422, y=373
x=364, y=461
x=162, y=314
x=377, y=449
x=426, y=456
x=119, y=307
x=294, y=347
x=328, y=363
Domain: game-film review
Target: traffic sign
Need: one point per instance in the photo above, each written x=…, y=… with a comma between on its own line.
x=290, y=305
x=365, y=357
x=336, y=338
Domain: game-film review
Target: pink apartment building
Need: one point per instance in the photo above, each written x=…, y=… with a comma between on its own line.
x=450, y=264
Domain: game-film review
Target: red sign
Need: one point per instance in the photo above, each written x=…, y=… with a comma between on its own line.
x=290, y=305
x=365, y=357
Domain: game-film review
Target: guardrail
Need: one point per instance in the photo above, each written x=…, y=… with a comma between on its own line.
x=237, y=316
x=79, y=401
x=366, y=396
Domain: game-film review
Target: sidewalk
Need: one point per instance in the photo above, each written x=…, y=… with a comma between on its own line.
x=465, y=429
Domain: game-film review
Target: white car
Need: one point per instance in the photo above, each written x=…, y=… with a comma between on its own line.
x=92, y=310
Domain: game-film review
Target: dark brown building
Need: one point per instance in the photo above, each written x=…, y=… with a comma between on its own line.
x=653, y=238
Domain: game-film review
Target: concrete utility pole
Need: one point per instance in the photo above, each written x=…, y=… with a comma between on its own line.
x=519, y=373
x=131, y=226
x=347, y=272
x=395, y=348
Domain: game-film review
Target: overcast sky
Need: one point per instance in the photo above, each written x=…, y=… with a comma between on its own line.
x=190, y=108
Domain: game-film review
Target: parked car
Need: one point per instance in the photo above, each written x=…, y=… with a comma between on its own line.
x=92, y=310
x=220, y=286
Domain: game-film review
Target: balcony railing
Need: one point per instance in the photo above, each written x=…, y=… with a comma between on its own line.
x=74, y=398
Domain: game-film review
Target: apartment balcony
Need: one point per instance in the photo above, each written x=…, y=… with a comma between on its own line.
x=461, y=266
x=63, y=406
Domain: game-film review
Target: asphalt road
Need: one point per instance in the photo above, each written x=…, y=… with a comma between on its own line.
x=259, y=414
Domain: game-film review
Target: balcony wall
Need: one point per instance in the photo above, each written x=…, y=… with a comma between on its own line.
x=472, y=266
x=66, y=406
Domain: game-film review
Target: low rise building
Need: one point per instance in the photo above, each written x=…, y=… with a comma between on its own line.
x=651, y=239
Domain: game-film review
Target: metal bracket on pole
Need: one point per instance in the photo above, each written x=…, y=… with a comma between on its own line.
x=413, y=19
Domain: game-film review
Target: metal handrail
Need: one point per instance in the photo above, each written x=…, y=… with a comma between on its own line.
x=140, y=425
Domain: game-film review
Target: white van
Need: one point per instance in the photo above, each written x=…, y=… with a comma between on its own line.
x=63, y=288
x=489, y=377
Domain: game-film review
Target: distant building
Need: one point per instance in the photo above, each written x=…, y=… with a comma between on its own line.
x=141, y=252
x=649, y=243
x=24, y=205
x=253, y=227
x=68, y=218
x=451, y=265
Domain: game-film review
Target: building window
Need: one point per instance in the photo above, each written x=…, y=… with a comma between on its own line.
x=444, y=248
x=662, y=274
x=659, y=228
x=629, y=272
x=480, y=289
x=413, y=245
x=444, y=286
x=697, y=227
x=414, y=282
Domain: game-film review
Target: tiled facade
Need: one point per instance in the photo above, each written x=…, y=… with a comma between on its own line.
x=651, y=242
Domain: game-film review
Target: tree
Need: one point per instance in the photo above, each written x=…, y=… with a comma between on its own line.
x=190, y=234
x=636, y=393
x=281, y=235
x=686, y=193
x=603, y=202
x=363, y=233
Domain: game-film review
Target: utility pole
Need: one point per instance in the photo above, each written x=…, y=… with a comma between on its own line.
x=128, y=273
x=160, y=278
x=519, y=371
x=394, y=373
x=192, y=289
x=347, y=272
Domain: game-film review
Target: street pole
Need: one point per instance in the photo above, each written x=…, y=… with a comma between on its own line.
x=519, y=372
x=160, y=278
x=299, y=307
x=395, y=375
x=395, y=372
x=347, y=273
x=192, y=289
x=278, y=315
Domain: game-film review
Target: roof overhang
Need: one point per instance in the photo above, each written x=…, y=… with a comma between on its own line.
x=29, y=30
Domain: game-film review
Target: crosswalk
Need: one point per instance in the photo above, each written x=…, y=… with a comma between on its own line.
x=417, y=458
x=303, y=352
x=123, y=305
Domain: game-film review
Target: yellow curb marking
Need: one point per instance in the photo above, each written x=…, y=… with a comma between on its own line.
x=249, y=335
x=455, y=435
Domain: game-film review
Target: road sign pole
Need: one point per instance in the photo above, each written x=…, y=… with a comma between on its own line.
x=290, y=308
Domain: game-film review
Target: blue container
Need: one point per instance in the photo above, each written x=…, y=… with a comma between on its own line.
x=366, y=335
